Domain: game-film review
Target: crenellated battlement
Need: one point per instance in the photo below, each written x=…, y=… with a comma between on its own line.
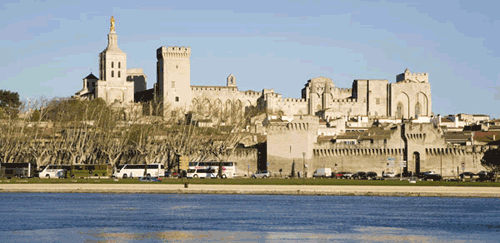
x=356, y=152
x=252, y=93
x=293, y=126
x=348, y=100
x=415, y=136
x=293, y=100
x=418, y=77
x=460, y=150
x=272, y=95
x=174, y=52
x=214, y=88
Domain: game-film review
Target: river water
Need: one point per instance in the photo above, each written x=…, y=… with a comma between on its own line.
x=92, y=217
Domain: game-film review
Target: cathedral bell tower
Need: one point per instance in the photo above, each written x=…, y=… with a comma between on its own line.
x=113, y=85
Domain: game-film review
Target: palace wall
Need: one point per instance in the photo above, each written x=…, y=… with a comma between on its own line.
x=225, y=98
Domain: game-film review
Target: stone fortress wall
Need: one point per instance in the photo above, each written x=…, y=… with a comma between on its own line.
x=421, y=145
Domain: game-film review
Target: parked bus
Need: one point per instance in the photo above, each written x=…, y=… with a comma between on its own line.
x=17, y=170
x=228, y=168
x=98, y=170
x=53, y=171
x=125, y=171
x=201, y=173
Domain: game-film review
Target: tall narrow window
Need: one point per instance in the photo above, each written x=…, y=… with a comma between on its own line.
x=112, y=74
x=119, y=66
x=417, y=109
x=399, y=110
x=377, y=101
x=112, y=64
x=177, y=99
x=173, y=84
x=118, y=72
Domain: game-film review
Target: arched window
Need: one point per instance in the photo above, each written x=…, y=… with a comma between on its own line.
x=112, y=64
x=112, y=73
x=118, y=72
x=119, y=66
x=399, y=110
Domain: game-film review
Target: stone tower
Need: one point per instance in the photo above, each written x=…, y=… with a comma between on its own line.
x=174, y=79
x=113, y=85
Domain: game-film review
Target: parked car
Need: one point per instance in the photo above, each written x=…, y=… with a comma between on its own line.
x=389, y=174
x=406, y=174
x=149, y=179
x=486, y=176
x=339, y=174
x=467, y=175
x=323, y=172
x=371, y=175
x=429, y=172
x=346, y=175
x=359, y=175
x=434, y=177
x=261, y=174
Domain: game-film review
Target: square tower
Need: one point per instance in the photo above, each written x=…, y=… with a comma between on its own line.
x=173, y=70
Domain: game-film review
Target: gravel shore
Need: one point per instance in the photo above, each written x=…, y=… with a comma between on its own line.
x=399, y=191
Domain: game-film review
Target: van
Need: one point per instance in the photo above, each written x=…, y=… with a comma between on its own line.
x=323, y=172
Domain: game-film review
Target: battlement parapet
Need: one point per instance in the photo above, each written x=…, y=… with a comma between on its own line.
x=173, y=52
x=460, y=150
x=407, y=75
x=214, y=88
x=293, y=100
x=357, y=152
x=347, y=100
x=272, y=95
x=252, y=93
x=415, y=136
x=286, y=127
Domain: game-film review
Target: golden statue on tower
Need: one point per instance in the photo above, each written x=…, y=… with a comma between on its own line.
x=112, y=24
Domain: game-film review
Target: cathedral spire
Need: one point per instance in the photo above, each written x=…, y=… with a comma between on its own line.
x=112, y=37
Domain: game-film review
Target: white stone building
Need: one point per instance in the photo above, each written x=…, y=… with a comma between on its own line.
x=116, y=85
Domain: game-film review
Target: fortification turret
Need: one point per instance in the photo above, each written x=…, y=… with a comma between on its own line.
x=415, y=77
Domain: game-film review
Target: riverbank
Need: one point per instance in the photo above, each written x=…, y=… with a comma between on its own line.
x=331, y=190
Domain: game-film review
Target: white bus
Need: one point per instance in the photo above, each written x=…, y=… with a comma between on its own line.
x=125, y=171
x=53, y=171
x=201, y=173
x=228, y=168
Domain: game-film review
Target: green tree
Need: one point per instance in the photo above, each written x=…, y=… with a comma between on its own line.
x=9, y=103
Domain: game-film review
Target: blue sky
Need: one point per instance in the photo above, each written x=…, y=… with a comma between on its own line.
x=47, y=47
